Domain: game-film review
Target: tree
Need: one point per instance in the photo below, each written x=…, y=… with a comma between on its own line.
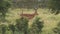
x=57, y=29
x=37, y=25
x=22, y=25
x=4, y=5
x=12, y=28
x=54, y=5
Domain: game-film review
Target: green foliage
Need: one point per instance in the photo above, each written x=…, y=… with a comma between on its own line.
x=54, y=5
x=57, y=29
x=4, y=5
x=37, y=25
x=3, y=28
x=12, y=27
x=22, y=24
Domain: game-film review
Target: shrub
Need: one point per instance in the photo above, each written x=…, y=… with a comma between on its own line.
x=37, y=26
x=22, y=25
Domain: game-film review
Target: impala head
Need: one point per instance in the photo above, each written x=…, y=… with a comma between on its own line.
x=36, y=12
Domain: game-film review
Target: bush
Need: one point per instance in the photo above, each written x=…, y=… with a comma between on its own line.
x=3, y=28
x=12, y=28
x=37, y=26
x=22, y=25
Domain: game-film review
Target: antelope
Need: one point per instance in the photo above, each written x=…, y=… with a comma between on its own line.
x=30, y=16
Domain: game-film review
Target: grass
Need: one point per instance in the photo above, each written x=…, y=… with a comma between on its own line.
x=50, y=20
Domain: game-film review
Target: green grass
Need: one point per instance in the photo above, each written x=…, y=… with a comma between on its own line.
x=50, y=20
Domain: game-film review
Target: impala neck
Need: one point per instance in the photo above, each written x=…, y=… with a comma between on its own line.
x=22, y=11
x=36, y=12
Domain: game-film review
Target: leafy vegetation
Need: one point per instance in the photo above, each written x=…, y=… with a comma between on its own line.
x=12, y=28
x=22, y=25
x=57, y=29
x=37, y=26
x=4, y=5
x=3, y=28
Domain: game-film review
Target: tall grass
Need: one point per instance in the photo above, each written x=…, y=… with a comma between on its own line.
x=50, y=20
